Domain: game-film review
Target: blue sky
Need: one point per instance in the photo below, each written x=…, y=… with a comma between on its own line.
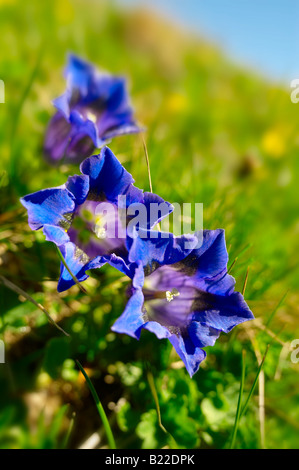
x=262, y=34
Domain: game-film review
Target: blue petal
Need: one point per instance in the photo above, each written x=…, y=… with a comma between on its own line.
x=82, y=127
x=138, y=279
x=121, y=264
x=62, y=104
x=108, y=178
x=88, y=91
x=118, y=100
x=95, y=85
x=131, y=321
x=55, y=234
x=50, y=206
x=121, y=129
x=79, y=147
x=110, y=124
x=202, y=335
x=159, y=330
x=210, y=259
x=79, y=186
x=223, y=284
x=101, y=89
x=73, y=138
x=165, y=208
x=226, y=312
x=149, y=208
x=133, y=195
x=159, y=248
x=78, y=263
x=57, y=138
x=191, y=354
x=79, y=73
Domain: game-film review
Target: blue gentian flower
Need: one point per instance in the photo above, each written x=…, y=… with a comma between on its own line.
x=183, y=294
x=68, y=215
x=94, y=109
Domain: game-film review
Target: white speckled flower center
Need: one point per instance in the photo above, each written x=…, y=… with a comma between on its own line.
x=170, y=295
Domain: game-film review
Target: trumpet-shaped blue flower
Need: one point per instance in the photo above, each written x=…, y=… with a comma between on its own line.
x=183, y=294
x=94, y=109
x=71, y=216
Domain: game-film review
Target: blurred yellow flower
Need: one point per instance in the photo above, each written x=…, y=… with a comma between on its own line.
x=89, y=372
x=64, y=10
x=274, y=142
x=176, y=102
x=43, y=380
x=7, y=2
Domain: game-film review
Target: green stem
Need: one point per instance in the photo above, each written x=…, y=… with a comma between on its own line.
x=18, y=290
x=148, y=170
x=19, y=108
x=100, y=408
x=69, y=271
x=254, y=383
x=238, y=412
x=153, y=389
x=275, y=310
x=69, y=431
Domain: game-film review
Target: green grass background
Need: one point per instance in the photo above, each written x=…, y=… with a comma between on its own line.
x=217, y=134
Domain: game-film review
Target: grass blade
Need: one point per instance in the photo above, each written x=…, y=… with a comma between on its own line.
x=151, y=383
x=254, y=383
x=19, y=108
x=232, y=265
x=100, y=408
x=18, y=290
x=69, y=431
x=245, y=282
x=239, y=255
x=149, y=171
x=147, y=163
x=238, y=412
x=70, y=272
x=275, y=310
x=152, y=386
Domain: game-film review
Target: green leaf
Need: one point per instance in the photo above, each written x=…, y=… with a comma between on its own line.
x=57, y=351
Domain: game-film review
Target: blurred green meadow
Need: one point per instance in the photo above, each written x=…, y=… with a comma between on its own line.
x=217, y=134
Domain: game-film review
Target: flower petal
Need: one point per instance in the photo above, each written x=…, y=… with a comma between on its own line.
x=94, y=108
x=202, y=334
x=159, y=248
x=120, y=263
x=49, y=206
x=78, y=263
x=108, y=178
x=131, y=321
x=78, y=74
x=210, y=259
x=157, y=208
x=57, y=138
x=159, y=330
x=191, y=354
x=62, y=104
x=55, y=234
x=226, y=312
x=79, y=186
x=121, y=129
x=80, y=146
x=82, y=127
